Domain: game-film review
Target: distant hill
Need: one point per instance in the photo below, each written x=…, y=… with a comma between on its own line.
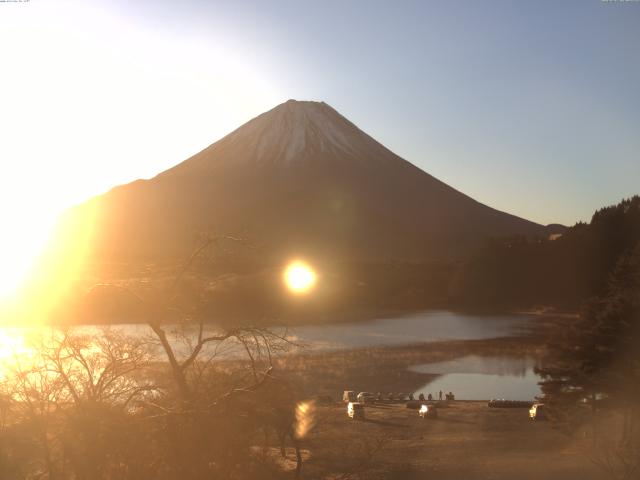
x=299, y=179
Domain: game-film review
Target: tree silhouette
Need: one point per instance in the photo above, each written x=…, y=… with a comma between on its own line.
x=593, y=370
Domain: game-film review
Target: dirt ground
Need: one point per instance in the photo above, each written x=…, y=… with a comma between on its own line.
x=468, y=440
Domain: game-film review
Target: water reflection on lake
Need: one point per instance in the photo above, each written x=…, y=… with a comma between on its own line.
x=430, y=326
x=482, y=378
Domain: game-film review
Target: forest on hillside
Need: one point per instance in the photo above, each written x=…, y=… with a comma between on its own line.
x=521, y=272
x=510, y=273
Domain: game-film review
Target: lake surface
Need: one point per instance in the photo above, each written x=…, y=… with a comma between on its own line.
x=429, y=326
x=476, y=377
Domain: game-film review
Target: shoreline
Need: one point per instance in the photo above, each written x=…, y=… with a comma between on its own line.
x=386, y=369
x=355, y=317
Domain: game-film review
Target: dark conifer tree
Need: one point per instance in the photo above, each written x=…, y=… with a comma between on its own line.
x=596, y=359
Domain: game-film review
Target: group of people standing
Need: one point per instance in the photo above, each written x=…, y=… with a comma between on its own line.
x=448, y=396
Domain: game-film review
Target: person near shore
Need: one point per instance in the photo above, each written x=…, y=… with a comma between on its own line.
x=440, y=395
x=421, y=397
x=430, y=397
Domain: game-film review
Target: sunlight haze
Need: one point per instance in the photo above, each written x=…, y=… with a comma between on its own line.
x=319, y=239
x=89, y=101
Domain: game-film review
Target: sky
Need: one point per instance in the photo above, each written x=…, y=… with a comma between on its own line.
x=529, y=107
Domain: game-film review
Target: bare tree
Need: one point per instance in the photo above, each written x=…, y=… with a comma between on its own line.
x=210, y=423
x=72, y=397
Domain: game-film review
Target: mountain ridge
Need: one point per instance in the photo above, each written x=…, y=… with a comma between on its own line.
x=300, y=178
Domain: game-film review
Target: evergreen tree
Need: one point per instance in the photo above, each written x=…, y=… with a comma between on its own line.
x=520, y=272
x=596, y=359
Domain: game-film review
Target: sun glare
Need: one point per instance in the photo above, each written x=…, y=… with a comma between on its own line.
x=11, y=343
x=43, y=274
x=21, y=244
x=299, y=277
x=95, y=122
x=13, y=350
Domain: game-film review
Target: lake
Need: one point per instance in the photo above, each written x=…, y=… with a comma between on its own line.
x=429, y=326
x=476, y=377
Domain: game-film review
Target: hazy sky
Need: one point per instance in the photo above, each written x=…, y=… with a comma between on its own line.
x=529, y=107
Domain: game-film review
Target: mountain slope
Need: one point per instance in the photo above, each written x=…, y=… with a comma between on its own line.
x=298, y=180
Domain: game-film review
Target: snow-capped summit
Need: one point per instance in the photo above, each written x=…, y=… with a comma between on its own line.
x=294, y=131
x=285, y=132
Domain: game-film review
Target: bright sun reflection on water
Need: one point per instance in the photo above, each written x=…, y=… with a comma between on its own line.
x=11, y=344
x=14, y=348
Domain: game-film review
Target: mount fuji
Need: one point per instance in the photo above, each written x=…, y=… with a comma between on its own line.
x=299, y=179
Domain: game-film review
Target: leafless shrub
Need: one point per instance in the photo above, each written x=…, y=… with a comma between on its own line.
x=360, y=460
x=71, y=399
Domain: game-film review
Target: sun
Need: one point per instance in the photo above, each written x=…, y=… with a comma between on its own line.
x=299, y=277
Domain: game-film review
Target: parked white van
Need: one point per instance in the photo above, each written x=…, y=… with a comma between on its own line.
x=366, y=397
x=355, y=411
x=538, y=412
x=428, y=411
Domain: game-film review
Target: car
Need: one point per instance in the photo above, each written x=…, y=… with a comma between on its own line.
x=366, y=397
x=349, y=396
x=538, y=412
x=428, y=411
x=355, y=411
